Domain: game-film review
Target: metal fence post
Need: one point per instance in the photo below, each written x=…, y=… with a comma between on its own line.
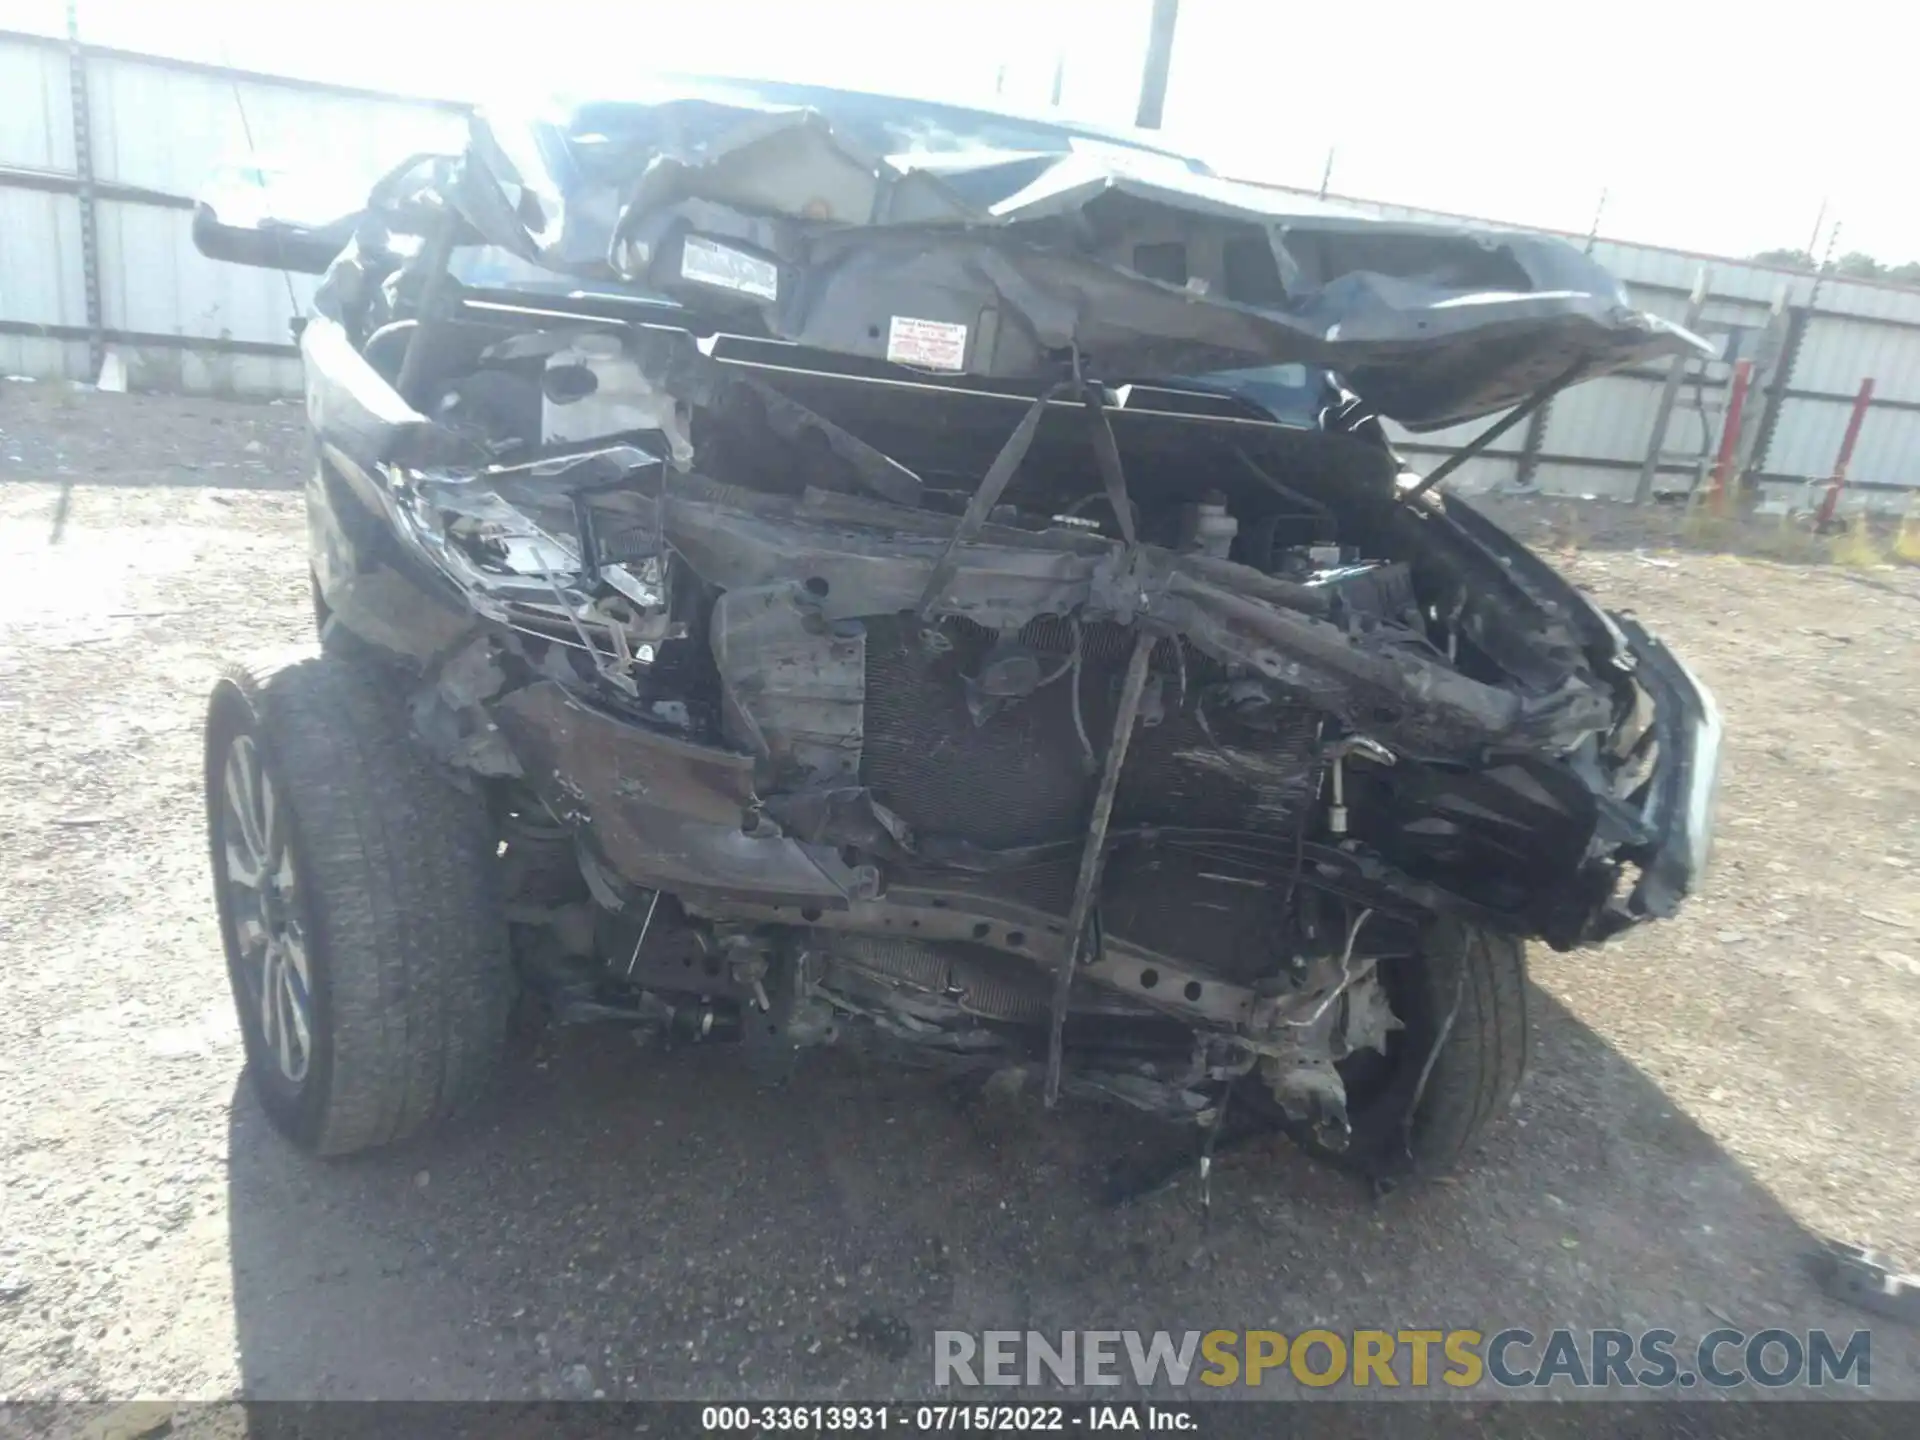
x=1828, y=506
x=1724, y=466
x=83, y=172
x=1794, y=332
x=1669, y=394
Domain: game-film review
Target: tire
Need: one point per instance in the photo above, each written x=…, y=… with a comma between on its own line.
x=1402, y=1127
x=382, y=886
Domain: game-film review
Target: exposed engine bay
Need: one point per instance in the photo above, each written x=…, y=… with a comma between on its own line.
x=1123, y=728
x=822, y=763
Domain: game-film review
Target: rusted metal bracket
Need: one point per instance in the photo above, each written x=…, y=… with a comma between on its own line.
x=1094, y=854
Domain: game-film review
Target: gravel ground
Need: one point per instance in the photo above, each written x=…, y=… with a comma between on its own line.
x=1708, y=1094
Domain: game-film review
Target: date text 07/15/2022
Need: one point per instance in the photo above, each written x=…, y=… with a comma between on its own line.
x=933, y=1419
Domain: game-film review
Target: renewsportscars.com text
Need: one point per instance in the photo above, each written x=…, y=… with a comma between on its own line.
x=1511, y=1358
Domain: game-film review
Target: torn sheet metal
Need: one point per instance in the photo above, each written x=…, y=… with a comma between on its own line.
x=958, y=240
x=656, y=806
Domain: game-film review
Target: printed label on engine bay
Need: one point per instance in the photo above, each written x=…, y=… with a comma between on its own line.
x=931, y=344
x=712, y=263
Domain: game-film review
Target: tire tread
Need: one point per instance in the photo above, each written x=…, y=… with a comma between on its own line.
x=404, y=898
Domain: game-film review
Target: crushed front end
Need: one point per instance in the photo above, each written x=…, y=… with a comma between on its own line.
x=860, y=628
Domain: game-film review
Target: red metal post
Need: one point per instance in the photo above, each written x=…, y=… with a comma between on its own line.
x=1730, y=431
x=1861, y=403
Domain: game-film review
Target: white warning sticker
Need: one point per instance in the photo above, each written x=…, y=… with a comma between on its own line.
x=931, y=344
x=712, y=263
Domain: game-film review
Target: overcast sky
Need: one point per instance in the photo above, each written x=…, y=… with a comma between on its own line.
x=1711, y=126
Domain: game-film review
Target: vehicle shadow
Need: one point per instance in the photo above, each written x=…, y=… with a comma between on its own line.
x=639, y=1225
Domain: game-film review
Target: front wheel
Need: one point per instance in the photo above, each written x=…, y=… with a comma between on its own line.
x=358, y=907
x=1451, y=1068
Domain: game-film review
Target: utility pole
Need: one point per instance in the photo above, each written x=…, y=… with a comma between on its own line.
x=1593, y=232
x=1153, y=83
x=1821, y=266
x=1819, y=219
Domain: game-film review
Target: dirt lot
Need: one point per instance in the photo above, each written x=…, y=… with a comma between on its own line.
x=1707, y=1094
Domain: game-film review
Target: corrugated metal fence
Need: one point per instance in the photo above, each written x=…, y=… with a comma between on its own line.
x=159, y=128
x=96, y=252
x=1836, y=334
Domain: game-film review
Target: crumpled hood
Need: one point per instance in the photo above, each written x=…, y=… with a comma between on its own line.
x=965, y=241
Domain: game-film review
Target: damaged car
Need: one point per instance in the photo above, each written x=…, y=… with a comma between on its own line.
x=799, y=568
